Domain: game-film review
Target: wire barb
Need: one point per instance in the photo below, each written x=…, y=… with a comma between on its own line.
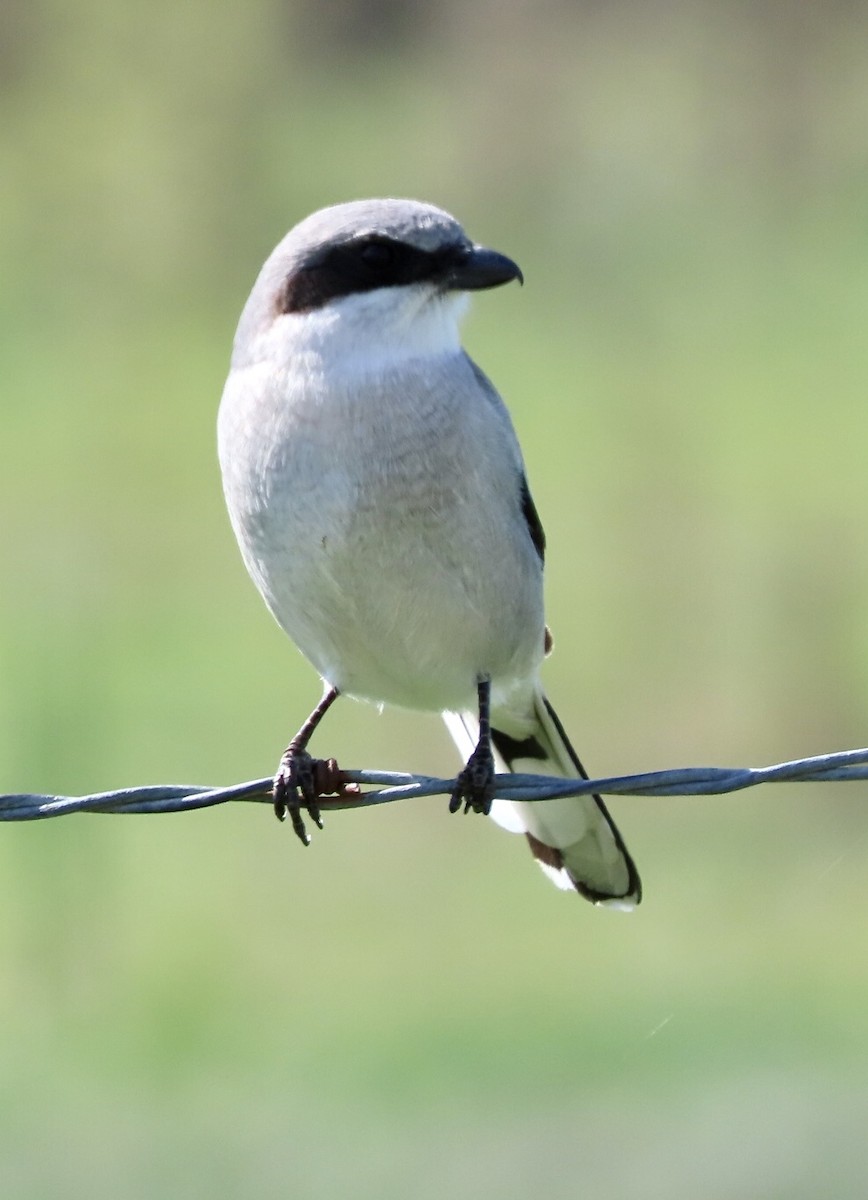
x=386, y=787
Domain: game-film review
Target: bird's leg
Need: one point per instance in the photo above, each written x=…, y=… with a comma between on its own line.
x=299, y=778
x=475, y=784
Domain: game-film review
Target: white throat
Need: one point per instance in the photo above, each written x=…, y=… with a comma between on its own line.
x=371, y=331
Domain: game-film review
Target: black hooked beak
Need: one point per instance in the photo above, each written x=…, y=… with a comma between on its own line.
x=479, y=268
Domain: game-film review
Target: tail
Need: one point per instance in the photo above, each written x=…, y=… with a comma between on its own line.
x=574, y=840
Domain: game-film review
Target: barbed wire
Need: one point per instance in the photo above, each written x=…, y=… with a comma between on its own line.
x=386, y=787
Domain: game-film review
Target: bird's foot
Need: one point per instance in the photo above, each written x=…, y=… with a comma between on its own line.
x=295, y=788
x=474, y=787
x=301, y=781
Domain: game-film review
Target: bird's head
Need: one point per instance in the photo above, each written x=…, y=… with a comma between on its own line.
x=367, y=280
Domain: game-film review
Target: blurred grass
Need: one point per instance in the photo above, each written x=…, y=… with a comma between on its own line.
x=192, y=1006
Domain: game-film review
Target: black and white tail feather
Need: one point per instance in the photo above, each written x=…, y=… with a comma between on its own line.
x=574, y=839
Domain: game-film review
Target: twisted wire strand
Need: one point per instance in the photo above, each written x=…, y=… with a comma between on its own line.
x=386, y=787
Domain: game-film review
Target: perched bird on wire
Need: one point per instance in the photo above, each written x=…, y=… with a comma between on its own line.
x=378, y=494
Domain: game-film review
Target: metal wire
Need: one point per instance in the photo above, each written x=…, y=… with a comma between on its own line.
x=385, y=787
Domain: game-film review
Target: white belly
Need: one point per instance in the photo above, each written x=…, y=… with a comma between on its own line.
x=386, y=538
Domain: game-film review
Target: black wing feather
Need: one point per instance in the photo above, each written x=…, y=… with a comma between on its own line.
x=534, y=524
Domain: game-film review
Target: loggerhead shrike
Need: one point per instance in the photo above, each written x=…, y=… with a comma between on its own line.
x=378, y=494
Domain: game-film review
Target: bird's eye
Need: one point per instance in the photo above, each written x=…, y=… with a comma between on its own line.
x=378, y=255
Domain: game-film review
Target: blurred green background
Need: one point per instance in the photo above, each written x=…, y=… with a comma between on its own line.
x=191, y=1006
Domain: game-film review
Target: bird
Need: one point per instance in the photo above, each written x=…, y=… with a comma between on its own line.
x=378, y=494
